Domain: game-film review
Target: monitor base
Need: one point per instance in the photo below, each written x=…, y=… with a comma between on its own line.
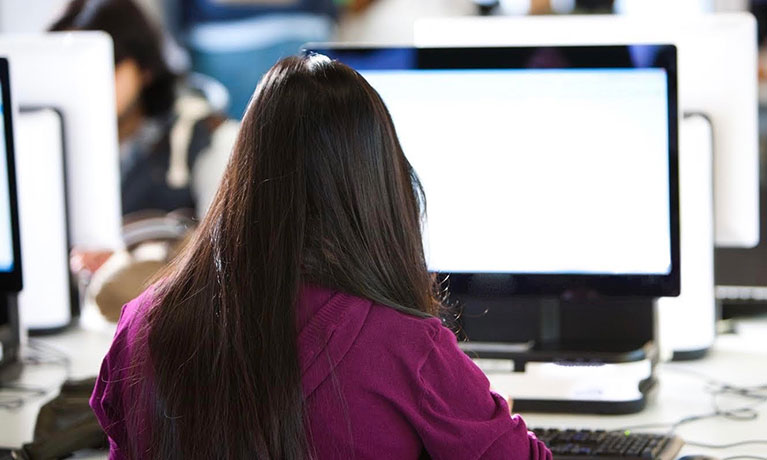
x=544, y=379
x=648, y=389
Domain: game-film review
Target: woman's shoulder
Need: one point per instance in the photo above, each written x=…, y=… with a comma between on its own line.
x=406, y=335
x=133, y=316
x=138, y=306
x=387, y=317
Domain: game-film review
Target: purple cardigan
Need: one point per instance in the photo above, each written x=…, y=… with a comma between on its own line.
x=379, y=384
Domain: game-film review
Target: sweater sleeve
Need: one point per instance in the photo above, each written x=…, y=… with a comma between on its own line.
x=459, y=417
x=108, y=394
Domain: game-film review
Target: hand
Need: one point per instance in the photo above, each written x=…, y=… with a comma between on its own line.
x=84, y=262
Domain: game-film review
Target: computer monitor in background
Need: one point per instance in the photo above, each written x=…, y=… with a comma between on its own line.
x=69, y=162
x=717, y=78
x=46, y=304
x=10, y=247
x=73, y=72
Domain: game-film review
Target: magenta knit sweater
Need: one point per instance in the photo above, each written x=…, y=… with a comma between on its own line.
x=379, y=384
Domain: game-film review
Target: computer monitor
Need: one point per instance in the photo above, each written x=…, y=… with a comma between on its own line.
x=73, y=72
x=47, y=301
x=717, y=77
x=10, y=247
x=553, y=169
x=10, y=257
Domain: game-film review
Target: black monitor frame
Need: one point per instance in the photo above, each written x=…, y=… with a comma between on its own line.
x=10, y=281
x=578, y=57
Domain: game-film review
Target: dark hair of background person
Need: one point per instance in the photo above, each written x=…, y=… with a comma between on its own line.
x=134, y=37
x=759, y=10
x=317, y=190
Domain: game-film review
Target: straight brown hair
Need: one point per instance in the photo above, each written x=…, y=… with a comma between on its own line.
x=317, y=190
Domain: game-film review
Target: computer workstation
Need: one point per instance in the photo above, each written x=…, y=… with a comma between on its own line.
x=452, y=115
x=717, y=80
x=551, y=183
x=489, y=281
x=550, y=176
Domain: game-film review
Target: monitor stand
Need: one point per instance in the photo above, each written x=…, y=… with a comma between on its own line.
x=10, y=364
x=582, y=355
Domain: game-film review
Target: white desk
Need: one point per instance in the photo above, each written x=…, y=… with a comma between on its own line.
x=739, y=359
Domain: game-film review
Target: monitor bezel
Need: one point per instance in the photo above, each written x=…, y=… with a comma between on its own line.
x=10, y=281
x=589, y=56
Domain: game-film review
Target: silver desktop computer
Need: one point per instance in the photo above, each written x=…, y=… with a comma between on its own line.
x=552, y=205
x=68, y=164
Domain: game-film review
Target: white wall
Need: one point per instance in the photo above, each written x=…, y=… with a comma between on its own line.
x=391, y=21
x=17, y=16
x=730, y=5
x=25, y=16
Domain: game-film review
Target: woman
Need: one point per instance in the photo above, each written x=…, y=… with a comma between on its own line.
x=301, y=320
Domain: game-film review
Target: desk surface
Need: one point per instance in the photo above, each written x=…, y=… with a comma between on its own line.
x=738, y=359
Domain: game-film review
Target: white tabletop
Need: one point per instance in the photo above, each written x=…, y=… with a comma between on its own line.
x=738, y=359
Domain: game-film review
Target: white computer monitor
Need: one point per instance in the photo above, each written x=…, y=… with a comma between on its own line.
x=717, y=77
x=73, y=72
x=45, y=303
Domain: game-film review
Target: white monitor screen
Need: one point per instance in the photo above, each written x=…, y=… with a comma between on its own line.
x=550, y=171
x=6, y=237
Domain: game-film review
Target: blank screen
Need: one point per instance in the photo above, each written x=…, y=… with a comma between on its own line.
x=6, y=240
x=560, y=171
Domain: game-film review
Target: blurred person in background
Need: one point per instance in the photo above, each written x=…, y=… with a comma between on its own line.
x=759, y=10
x=236, y=41
x=174, y=145
x=165, y=128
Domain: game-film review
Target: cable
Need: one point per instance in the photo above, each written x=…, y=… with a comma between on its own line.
x=19, y=395
x=14, y=396
x=727, y=446
x=718, y=388
x=648, y=426
x=40, y=353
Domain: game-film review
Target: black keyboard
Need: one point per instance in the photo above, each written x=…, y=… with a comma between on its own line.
x=608, y=445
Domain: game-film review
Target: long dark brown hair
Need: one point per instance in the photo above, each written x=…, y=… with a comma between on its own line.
x=317, y=190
